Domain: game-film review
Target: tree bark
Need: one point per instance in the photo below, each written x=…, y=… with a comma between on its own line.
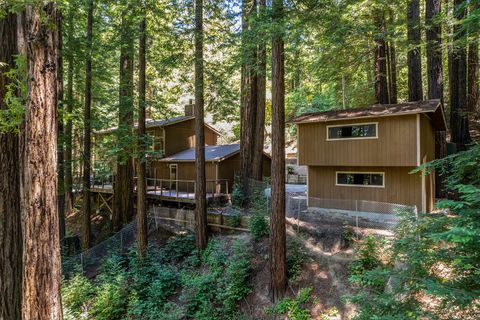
x=60, y=130
x=141, y=166
x=249, y=107
x=10, y=215
x=381, y=84
x=435, y=78
x=200, y=182
x=392, y=67
x=259, y=136
x=123, y=207
x=472, y=90
x=69, y=124
x=414, y=60
x=87, y=152
x=277, y=245
x=41, y=254
x=458, y=95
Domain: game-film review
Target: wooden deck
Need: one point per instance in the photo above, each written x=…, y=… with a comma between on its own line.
x=182, y=191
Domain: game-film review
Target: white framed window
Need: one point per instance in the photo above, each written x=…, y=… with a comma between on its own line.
x=360, y=179
x=352, y=131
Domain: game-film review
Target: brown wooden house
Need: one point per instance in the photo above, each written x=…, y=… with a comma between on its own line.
x=368, y=154
x=222, y=164
x=171, y=159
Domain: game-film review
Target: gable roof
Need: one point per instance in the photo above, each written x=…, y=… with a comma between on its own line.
x=151, y=123
x=432, y=108
x=212, y=153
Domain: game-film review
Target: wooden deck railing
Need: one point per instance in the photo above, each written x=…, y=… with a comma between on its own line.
x=185, y=188
x=177, y=189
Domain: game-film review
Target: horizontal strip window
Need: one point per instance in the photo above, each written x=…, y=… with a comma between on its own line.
x=352, y=131
x=361, y=179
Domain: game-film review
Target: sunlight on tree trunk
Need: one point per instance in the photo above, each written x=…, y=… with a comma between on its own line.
x=41, y=255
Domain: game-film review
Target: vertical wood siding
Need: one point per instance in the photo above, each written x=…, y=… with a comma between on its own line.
x=181, y=136
x=395, y=145
x=400, y=186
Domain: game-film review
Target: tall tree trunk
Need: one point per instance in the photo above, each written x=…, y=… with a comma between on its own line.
x=10, y=215
x=472, y=90
x=277, y=245
x=87, y=152
x=458, y=94
x=69, y=124
x=41, y=254
x=60, y=130
x=141, y=166
x=123, y=199
x=435, y=77
x=259, y=136
x=414, y=60
x=392, y=67
x=381, y=84
x=249, y=107
x=200, y=183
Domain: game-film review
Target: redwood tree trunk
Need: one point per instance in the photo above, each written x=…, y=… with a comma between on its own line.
x=435, y=77
x=458, y=93
x=392, y=66
x=472, y=90
x=41, y=254
x=414, y=60
x=249, y=107
x=257, y=165
x=141, y=166
x=10, y=215
x=392, y=73
x=60, y=131
x=200, y=188
x=381, y=84
x=123, y=200
x=277, y=245
x=87, y=152
x=69, y=124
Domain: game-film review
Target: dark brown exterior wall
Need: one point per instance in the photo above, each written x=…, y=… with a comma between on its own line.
x=400, y=186
x=181, y=136
x=395, y=146
x=185, y=171
x=227, y=169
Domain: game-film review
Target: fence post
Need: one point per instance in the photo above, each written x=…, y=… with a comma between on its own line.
x=81, y=260
x=121, y=241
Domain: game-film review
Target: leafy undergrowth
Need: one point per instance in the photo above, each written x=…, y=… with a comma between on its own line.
x=173, y=282
x=228, y=280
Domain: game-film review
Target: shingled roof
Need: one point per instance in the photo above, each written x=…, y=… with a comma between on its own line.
x=433, y=108
x=212, y=153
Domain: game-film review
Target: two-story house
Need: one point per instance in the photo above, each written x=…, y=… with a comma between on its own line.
x=369, y=153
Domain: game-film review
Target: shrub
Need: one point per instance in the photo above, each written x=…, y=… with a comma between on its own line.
x=367, y=256
x=259, y=226
x=111, y=301
x=296, y=257
x=294, y=308
x=178, y=248
x=199, y=293
x=76, y=294
x=236, y=276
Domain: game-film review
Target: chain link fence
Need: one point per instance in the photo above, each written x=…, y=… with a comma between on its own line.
x=301, y=211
